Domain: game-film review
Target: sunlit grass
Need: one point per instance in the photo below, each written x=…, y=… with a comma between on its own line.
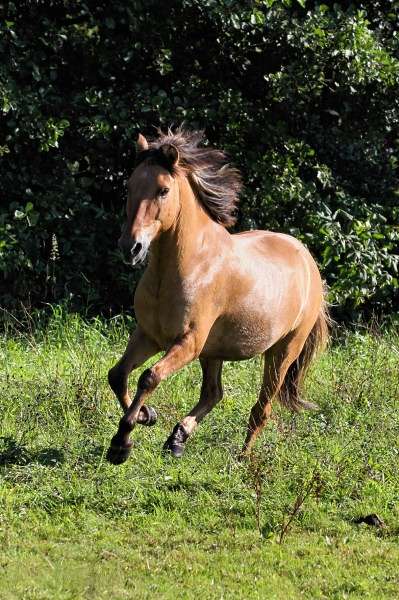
x=73, y=526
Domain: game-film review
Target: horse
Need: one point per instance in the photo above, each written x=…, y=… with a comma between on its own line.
x=208, y=294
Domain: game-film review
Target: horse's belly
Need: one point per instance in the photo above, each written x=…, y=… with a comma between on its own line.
x=238, y=339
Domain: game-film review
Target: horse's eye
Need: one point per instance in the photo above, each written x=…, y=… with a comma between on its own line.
x=163, y=192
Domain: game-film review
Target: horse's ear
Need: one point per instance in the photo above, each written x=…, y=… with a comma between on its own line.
x=141, y=144
x=170, y=153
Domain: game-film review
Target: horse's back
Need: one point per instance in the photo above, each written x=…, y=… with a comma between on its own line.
x=269, y=254
x=272, y=245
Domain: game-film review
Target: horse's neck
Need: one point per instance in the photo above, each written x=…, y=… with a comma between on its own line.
x=182, y=246
x=192, y=226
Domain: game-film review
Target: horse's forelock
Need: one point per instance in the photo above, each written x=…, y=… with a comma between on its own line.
x=154, y=156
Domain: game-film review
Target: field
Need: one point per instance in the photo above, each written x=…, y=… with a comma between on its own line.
x=280, y=525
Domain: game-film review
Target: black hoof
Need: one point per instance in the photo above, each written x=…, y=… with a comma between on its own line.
x=147, y=416
x=176, y=442
x=117, y=455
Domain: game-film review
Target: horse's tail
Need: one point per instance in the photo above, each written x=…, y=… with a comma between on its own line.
x=289, y=393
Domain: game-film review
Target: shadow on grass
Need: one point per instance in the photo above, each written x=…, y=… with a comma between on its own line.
x=14, y=453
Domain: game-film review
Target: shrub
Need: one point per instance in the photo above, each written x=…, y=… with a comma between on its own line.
x=303, y=95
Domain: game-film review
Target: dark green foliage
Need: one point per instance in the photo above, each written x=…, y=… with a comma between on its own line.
x=303, y=95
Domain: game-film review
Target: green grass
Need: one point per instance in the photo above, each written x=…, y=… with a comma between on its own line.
x=74, y=527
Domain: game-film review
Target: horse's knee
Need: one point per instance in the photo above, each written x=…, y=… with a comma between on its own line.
x=116, y=379
x=148, y=380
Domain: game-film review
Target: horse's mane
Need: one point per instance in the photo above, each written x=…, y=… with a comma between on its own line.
x=215, y=182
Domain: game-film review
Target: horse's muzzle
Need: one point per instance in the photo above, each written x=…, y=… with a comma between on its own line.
x=134, y=251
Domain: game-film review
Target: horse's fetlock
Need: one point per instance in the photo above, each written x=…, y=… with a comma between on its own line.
x=148, y=381
x=125, y=425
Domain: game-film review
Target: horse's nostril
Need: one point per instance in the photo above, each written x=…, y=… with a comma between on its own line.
x=136, y=249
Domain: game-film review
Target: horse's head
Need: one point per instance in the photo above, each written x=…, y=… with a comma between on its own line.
x=152, y=202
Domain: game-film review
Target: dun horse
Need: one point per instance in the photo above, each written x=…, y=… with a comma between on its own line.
x=208, y=294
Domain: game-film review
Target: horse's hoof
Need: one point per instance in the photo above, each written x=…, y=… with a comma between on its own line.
x=148, y=416
x=176, y=442
x=175, y=449
x=117, y=455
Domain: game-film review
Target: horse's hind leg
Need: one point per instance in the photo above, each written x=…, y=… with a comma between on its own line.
x=139, y=349
x=211, y=394
x=278, y=359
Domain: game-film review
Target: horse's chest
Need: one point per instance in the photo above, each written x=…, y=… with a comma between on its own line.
x=161, y=315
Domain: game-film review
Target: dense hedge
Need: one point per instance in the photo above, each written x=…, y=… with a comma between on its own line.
x=303, y=95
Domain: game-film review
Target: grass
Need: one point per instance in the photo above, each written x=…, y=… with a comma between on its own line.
x=281, y=525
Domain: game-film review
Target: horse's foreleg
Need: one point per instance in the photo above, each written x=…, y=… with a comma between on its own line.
x=211, y=394
x=139, y=349
x=180, y=354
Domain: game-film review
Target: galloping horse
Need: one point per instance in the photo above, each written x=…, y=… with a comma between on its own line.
x=209, y=294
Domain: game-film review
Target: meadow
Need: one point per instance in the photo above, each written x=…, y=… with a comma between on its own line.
x=282, y=524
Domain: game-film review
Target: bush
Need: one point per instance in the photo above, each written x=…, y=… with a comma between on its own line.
x=302, y=95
